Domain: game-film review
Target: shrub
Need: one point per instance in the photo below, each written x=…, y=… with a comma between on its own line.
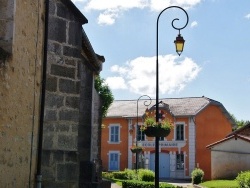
x=108, y=175
x=243, y=179
x=130, y=174
x=141, y=184
x=146, y=175
x=197, y=176
x=120, y=175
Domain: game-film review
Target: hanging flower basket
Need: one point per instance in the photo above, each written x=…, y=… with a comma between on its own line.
x=157, y=131
x=136, y=149
x=153, y=129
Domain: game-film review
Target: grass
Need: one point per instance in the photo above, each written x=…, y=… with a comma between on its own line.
x=207, y=184
x=220, y=184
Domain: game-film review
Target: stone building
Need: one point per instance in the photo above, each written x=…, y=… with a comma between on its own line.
x=50, y=112
x=21, y=49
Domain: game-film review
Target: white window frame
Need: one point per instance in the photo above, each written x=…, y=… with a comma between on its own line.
x=183, y=162
x=175, y=130
x=118, y=160
x=119, y=134
x=142, y=135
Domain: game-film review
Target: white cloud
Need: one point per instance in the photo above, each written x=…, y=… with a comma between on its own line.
x=139, y=74
x=158, y=5
x=74, y=1
x=110, y=10
x=194, y=24
x=107, y=18
x=247, y=16
x=116, y=82
x=117, y=4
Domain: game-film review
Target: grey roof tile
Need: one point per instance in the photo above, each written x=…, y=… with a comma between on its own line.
x=178, y=106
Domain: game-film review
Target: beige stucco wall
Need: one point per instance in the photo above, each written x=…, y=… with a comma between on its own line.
x=229, y=158
x=20, y=81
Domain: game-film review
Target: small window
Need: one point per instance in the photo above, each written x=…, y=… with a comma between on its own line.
x=179, y=128
x=161, y=138
x=114, y=133
x=179, y=161
x=114, y=160
x=140, y=134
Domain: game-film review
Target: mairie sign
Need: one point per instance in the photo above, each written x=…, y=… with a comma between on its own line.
x=168, y=144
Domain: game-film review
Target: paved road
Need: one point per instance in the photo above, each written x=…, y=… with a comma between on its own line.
x=114, y=185
x=181, y=183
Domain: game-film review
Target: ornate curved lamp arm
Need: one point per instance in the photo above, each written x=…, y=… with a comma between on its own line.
x=157, y=51
x=146, y=103
x=177, y=28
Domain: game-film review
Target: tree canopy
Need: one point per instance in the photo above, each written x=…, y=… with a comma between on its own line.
x=240, y=123
x=105, y=93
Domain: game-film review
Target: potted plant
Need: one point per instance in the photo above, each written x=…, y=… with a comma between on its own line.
x=153, y=129
x=136, y=149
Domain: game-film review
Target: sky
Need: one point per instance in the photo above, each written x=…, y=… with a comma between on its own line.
x=215, y=62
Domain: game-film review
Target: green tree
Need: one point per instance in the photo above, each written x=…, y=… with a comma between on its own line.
x=105, y=93
x=239, y=123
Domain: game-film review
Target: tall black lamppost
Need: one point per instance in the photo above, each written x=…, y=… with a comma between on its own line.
x=179, y=44
x=146, y=103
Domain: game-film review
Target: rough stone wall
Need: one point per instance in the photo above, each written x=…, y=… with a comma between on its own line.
x=67, y=133
x=68, y=121
x=89, y=131
x=59, y=158
x=96, y=133
x=20, y=79
x=85, y=128
x=7, y=24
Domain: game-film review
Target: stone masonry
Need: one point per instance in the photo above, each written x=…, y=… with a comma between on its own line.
x=72, y=121
x=7, y=24
x=21, y=36
x=72, y=110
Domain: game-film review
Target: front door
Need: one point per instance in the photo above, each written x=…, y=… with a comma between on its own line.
x=164, y=164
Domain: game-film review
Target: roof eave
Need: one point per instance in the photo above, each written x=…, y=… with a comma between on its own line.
x=95, y=60
x=75, y=10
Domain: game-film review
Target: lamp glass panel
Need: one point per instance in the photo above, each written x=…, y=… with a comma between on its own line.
x=179, y=46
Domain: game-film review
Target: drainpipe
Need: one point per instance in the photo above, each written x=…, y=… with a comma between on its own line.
x=42, y=104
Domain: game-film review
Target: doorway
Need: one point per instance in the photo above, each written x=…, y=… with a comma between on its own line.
x=164, y=164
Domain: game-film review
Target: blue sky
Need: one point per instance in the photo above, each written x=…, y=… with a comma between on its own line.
x=215, y=62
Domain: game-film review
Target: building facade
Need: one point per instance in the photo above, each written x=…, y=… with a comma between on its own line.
x=230, y=155
x=196, y=122
x=21, y=57
x=50, y=117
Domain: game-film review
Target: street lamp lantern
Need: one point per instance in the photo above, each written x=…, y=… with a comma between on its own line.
x=179, y=44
